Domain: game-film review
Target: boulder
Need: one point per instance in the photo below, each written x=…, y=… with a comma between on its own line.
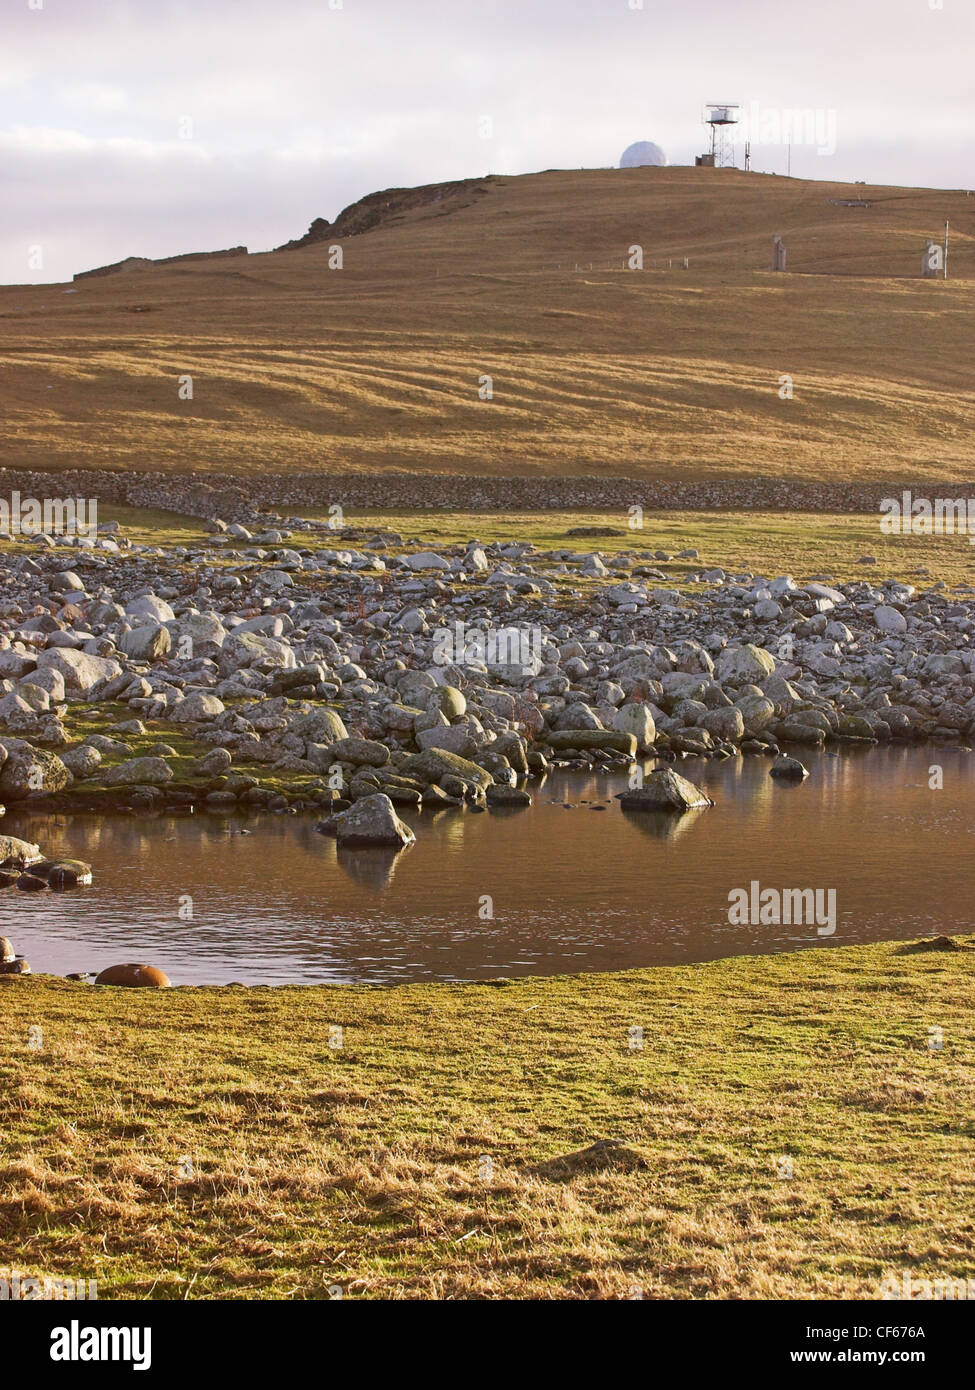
x=452, y=738
x=793, y=731
x=426, y=560
x=149, y=606
x=726, y=724
x=789, y=768
x=60, y=874
x=664, y=790
x=361, y=752
x=372, y=821
x=450, y=702
x=82, y=672
x=320, y=725
x=81, y=761
x=139, y=772
x=636, y=718
x=133, y=977
x=28, y=770
x=253, y=649
x=889, y=620
x=605, y=740
x=197, y=708
x=194, y=634
x=433, y=764
x=757, y=713
x=21, y=851
x=512, y=746
x=146, y=643
x=742, y=665
x=498, y=795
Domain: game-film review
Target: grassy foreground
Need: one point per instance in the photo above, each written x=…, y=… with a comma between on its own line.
x=216, y=1143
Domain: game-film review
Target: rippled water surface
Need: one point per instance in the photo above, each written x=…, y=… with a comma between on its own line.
x=572, y=889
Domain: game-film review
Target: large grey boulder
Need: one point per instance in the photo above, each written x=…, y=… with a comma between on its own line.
x=578, y=716
x=744, y=664
x=11, y=847
x=19, y=714
x=889, y=620
x=81, y=671
x=636, y=718
x=372, y=821
x=27, y=770
x=81, y=761
x=195, y=634
x=146, y=643
x=321, y=725
x=453, y=738
x=426, y=560
x=435, y=763
x=197, y=708
x=726, y=723
x=149, y=606
x=15, y=664
x=254, y=649
x=664, y=790
x=362, y=752
x=757, y=713
x=139, y=772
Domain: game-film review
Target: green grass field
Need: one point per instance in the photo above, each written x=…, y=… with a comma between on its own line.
x=787, y=1131
x=800, y=543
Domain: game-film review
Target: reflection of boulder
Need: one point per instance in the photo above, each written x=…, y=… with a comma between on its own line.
x=662, y=825
x=372, y=868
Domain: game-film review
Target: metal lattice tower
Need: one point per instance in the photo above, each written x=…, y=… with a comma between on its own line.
x=722, y=117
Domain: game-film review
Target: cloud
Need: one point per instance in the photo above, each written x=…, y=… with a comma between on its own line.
x=295, y=110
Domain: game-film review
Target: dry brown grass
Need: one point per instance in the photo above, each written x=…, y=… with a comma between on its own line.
x=361, y=1168
x=664, y=373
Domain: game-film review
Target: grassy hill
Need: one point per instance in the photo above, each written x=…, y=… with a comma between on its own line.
x=597, y=369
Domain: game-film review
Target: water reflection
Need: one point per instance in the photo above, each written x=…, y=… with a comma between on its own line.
x=274, y=901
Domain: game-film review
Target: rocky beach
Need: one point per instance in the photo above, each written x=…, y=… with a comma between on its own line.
x=282, y=665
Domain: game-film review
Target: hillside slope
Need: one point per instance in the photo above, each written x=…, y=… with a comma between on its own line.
x=596, y=368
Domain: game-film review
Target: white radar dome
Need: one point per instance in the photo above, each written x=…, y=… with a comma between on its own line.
x=642, y=152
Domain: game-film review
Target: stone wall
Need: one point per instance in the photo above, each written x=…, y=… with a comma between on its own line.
x=216, y=494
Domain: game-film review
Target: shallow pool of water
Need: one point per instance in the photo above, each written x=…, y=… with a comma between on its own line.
x=571, y=889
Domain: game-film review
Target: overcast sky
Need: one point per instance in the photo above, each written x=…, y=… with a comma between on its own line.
x=153, y=127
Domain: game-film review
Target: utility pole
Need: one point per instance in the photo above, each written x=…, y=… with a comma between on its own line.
x=946, y=250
